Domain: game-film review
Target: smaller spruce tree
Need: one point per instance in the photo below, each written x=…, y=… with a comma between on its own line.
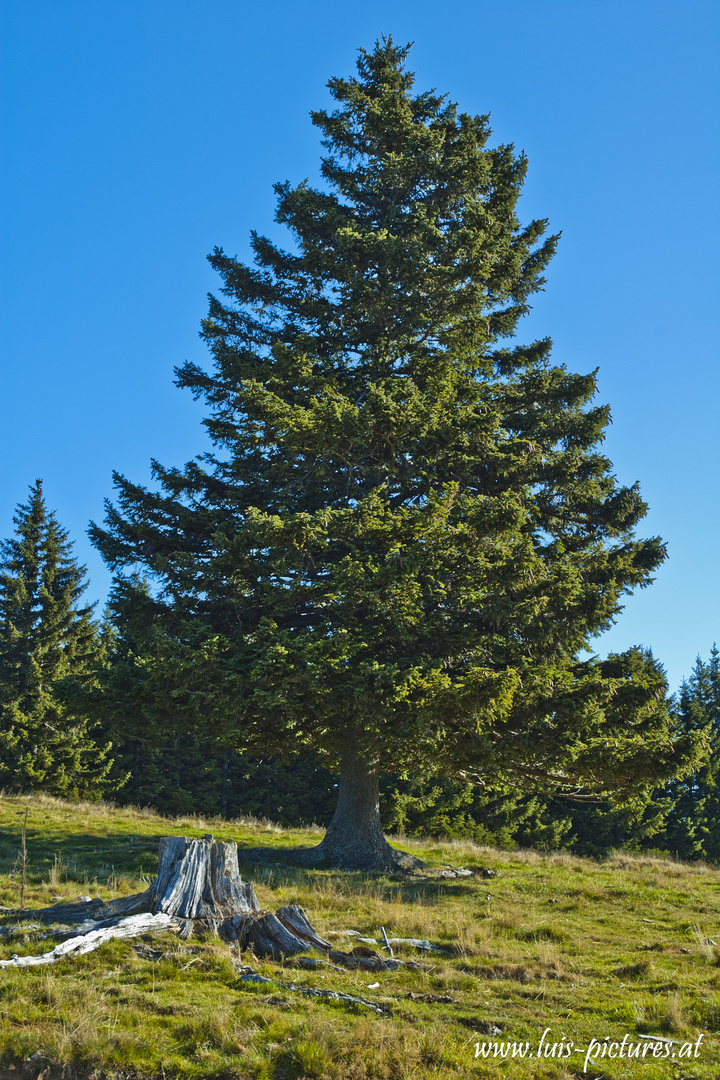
x=692, y=825
x=49, y=644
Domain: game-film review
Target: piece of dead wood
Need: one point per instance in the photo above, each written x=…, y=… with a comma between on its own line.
x=296, y=920
x=197, y=889
x=415, y=943
x=252, y=977
x=335, y=995
x=132, y=926
x=364, y=959
x=428, y=874
x=431, y=999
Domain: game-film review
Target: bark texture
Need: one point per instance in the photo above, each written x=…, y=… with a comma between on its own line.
x=199, y=881
x=354, y=839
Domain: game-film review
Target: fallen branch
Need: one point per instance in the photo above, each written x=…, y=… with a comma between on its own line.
x=334, y=995
x=88, y=942
x=251, y=976
x=415, y=943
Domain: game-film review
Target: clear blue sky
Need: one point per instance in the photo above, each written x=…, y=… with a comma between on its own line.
x=136, y=136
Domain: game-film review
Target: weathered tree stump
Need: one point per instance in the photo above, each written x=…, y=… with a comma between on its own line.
x=198, y=882
x=198, y=886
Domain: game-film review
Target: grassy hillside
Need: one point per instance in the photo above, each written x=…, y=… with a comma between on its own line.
x=589, y=950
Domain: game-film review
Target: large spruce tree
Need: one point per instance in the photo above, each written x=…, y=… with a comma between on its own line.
x=407, y=534
x=48, y=641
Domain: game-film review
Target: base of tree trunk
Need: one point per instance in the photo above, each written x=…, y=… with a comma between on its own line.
x=324, y=857
x=198, y=886
x=354, y=839
x=354, y=854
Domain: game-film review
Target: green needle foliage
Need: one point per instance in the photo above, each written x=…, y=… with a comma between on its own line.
x=693, y=826
x=48, y=643
x=407, y=533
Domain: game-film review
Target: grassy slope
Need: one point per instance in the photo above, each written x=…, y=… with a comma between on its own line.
x=588, y=949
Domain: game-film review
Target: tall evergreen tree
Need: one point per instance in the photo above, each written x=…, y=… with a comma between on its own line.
x=48, y=641
x=693, y=826
x=407, y=533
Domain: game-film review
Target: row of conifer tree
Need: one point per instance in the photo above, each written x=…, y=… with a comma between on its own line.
x=59, y=669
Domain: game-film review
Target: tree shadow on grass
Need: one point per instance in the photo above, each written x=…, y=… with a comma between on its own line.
x=311, y=857
x=85, y=857
x=386, y=887
x=80, y=856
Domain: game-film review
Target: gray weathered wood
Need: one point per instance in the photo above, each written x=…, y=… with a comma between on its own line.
x=200, y=880
x=268, y=936
x=86, y=909
x=197, y=889
x=294, y=919
x=87, y=942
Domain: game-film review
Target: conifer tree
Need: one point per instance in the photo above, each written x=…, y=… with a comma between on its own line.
x=48, y=641
x=407, y=534
x=693, y=826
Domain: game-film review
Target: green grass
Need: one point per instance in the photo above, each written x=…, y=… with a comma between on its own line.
x=589, y=949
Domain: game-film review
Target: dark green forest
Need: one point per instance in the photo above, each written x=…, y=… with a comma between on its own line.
x=680, y=817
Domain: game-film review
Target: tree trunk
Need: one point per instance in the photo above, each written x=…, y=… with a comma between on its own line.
x=354, y=839
x=199, y=880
